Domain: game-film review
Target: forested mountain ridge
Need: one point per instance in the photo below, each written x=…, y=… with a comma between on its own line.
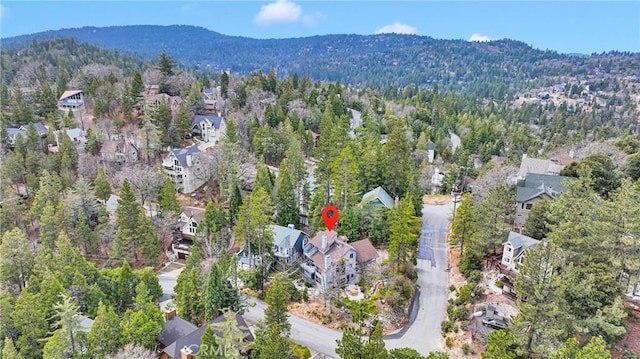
x=489, y=69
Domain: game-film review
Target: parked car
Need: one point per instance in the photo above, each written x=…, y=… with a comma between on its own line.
x=494, y=323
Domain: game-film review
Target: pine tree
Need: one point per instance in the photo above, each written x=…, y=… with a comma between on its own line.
x=219, y=294
x=209, y=349
x=183, y=121
x=67, y=327
x=30, y=320
x=102, y=188
x=462, y=226
x=286, y=205
x=169, y=199
x=277, y=299
x=49, y=229
x=188, y=289
x=224, y=83
x=345, y=175
x=263, y=179
x=254, y=221
x=235, y=201
x=232, y=335
x=396, y=160
x=105, y=337
x=351, y=346
x=375, y=347
x=9, y=350
x=16, y=259
x=128, y=230
x=195, y=99
x=404, y=227
x=231, y=132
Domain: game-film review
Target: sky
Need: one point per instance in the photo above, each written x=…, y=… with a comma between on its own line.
x=564, y=26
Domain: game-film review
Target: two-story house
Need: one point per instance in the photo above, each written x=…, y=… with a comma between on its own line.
x=120, y=151
x=287, y=243
x=188, y=222
x=184, y=167
x=513, y=251
x=13, y=132
x=71, y=100
x=209, y=128
x=533, y=188
x=332, y=262
x=76, y=135
x=210, y=96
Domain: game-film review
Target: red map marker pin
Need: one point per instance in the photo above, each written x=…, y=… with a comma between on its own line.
x=330, y=216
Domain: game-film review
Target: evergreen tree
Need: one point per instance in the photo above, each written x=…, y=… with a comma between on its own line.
x=195, y=99
x=263, y=179
x=224, y=84
x=105, y=337
x=345, y=175
x=351, y=346
x=188, y=289
x=286, y=205
x=9, y=350
x=16, y=259
x=49, y=228
x=162, y=120
x=235, y=201
x=102, y=188
x=219, y=294
x=462, y=226
x=232, y=335
x=596, y=348
x=231, y=132
x=404, y=227
x=128, y=214
x=169, y=199
x=94, y=142
x=209, y=349
x=68, y=328
x=271, y=344
x=277, y=299
x=375, y=347
x=30, y=321
x=137, y=87
x=396, y=160
x=33, y=140
x=183, y=121
x=254, y=221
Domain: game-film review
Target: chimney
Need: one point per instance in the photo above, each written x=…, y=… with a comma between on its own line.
x=396, y=201
x=186, y=353
x=290, y=226
x=168, y=315
x=324, y=242
x=327, y=261
x=189, y=160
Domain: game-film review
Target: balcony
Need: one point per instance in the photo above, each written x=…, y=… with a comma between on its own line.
x=309, y=250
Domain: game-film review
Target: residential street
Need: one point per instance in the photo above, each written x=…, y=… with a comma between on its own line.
x=423, y=331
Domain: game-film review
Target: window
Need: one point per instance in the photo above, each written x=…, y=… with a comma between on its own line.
x=176, y=163
x=508, y=248
x=528, y=205
x=351, y=255
x=506, y=259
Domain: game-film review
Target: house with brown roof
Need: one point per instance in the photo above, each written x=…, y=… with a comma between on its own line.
x=330, y=261
x=71, y=99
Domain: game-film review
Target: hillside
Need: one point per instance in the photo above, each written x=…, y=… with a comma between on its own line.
x=490, y=69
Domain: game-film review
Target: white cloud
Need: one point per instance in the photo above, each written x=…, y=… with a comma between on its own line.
x=312, y=20
x=281, y=11
x=397, y=28
x=479, y=37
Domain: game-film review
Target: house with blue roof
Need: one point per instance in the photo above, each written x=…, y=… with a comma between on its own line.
x=287, y=243
x=185, y=169
x=209, y=128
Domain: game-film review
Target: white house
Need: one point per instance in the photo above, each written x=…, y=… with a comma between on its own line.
x=514, y=250
x=287, y=243
x=332, y=262
x=75, y=134
x=188, y=223
x=184, y=168
x=210, y=128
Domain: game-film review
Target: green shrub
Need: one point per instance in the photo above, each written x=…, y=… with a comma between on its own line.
x=305, y=295
x=464, y=294
x=464, y=325
x=449, y=342
x=452, y=288
x=300, y=351
x=446, y=327
x=450, y=309
x=471, y=261
x=466, y=348
x=460, y=313
x=499, y=284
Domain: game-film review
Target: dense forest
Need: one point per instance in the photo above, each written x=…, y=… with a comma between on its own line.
x=493, y=69
x=63, y=254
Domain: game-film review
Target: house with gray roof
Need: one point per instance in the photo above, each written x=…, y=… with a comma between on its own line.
x=181, y=339
x=75, y=134
x=514, y=250
x=378, y=197
x=538, y=166
x=184, y=167
x=209, y=128
x=536, y=187
x=287, y=243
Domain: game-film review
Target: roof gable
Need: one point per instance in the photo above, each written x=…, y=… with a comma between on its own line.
x=69, y=93
x=535, y=185
x=181, y=154
x=213, y=120
x=174, y=329
x=379, y=194
x=365, y=251
x=285, y=237
x=520, y=242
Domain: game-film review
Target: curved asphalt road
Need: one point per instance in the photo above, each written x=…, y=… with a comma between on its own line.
x=423, y=331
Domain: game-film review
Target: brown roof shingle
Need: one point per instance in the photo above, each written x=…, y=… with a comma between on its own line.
x=365, y=251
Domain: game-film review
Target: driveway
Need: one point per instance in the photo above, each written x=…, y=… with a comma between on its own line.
x=423, y=331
